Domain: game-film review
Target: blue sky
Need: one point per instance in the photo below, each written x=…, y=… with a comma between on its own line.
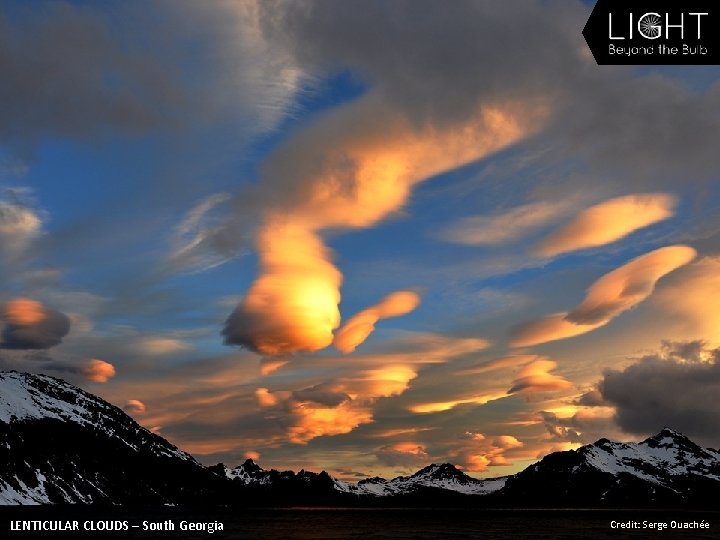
x=361, y=237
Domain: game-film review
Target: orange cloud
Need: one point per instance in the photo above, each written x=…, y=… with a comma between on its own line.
x=487, y=388
x=265, y=398
x=31, y=325
x=495, y=392
x=24, y=312
x=270, y=365
x=507, y=441
x=475, y=462
x=476, y=452
x=389, y=433
x=313, y=421
x=440, y=406
x=226, y=394
x=251, y=454
x=358, y=395
x=338, y=178
x=337, y=407
x=359, y=327
x=689, y=299
x=550, y=328
x=98, y=371
x=536, y=377
x=629, y=285
x=608, y=222
x=160, y=346
x=403, y=454
x=293, y=305
x=134, y=406
x=409, y=448
x=387, y=381
x=615, y=292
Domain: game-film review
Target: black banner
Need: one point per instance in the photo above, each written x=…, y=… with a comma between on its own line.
x=658, y=32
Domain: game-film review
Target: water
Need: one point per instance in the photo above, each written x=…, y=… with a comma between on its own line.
x=329, y=523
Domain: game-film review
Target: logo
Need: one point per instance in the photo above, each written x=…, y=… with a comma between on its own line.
x=657, y=32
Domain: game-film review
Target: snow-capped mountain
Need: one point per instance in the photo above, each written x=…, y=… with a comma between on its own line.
x=435, y=477
x=661, y=459
x=251, y=474
x=665, y=468
x=443, y=476
x=60, y=444
x=250, y=483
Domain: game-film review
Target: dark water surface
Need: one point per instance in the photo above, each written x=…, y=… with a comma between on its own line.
x=327, y=523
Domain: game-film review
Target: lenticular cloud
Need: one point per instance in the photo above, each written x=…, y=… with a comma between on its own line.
x=349, y=171
x=615, y=292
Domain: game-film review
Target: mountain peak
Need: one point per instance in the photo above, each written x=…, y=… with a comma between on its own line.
x=439, y=471
x=667, y=438
x=245, y=472
x=373, y=480
x=250, y=466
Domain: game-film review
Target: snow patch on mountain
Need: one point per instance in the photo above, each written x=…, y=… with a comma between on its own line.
x=24, y=494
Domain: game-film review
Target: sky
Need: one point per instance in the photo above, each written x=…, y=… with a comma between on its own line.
x=359, y=236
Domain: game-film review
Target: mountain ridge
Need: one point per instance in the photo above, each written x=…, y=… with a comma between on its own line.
x=63, y=445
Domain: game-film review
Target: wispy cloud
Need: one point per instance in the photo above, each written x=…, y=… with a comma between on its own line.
x=190, y=241
x=506, y=227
